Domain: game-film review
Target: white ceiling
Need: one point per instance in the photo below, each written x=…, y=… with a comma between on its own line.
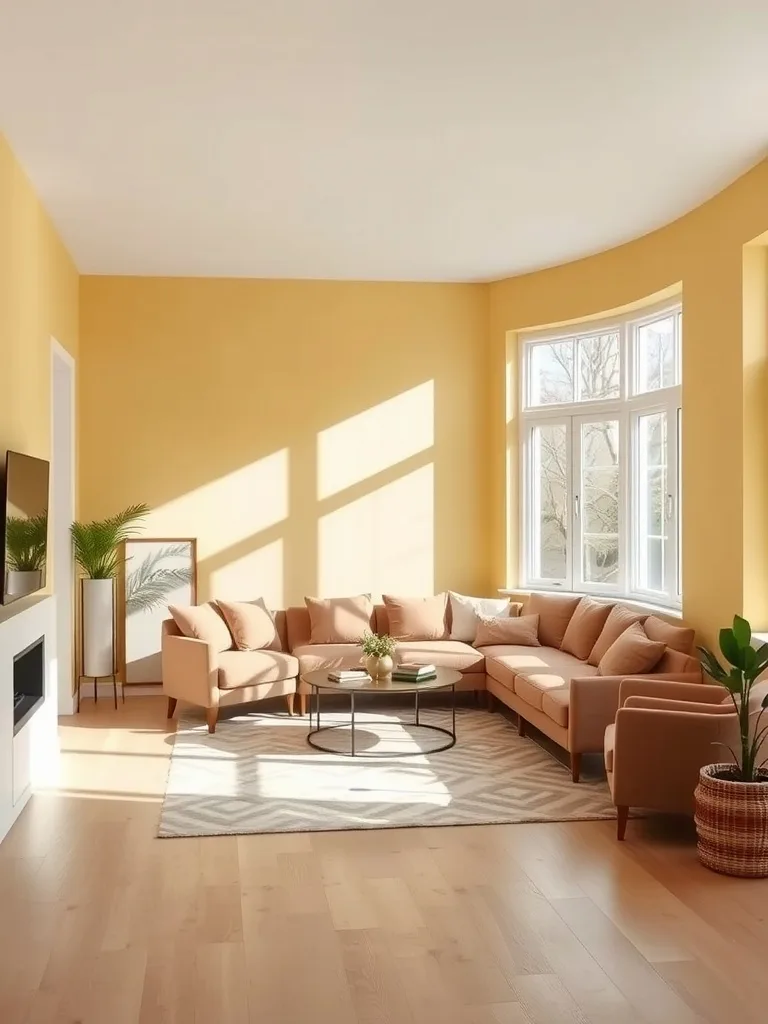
x=380, y=139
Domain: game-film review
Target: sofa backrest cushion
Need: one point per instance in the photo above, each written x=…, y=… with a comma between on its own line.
x=203, y=622
x=676, y=661
x=522, y=630
x=417, y=618
x=678, y=638
x=465, y=612
x=585, y=627
x=631, y=653
x=555, y=612
x=339, y=620
x=619, y=618
x=251, y=624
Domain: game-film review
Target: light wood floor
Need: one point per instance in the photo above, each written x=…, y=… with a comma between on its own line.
x=102, y=923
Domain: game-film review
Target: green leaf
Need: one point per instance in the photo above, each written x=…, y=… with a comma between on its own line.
x=764, y=702
x=741, y=631
x=730, y=647
x=711, y=665
x=96, y=545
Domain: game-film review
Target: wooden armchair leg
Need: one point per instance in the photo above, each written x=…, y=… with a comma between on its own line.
x=212, y=717
x=575, y=767
x=521, y=723
x=289, y=701
x=171, y=706
x=622, y=816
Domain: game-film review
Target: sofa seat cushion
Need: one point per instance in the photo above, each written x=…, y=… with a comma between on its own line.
x=250, y=668
x=610, y=743
x=555, y=704
x=532, y=683
x=319, y=657
x=442, y=653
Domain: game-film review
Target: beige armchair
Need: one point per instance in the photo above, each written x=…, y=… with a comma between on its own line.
x=663, y=734
x=194, y=672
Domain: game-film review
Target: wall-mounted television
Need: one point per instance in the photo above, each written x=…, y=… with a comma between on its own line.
x=24, y=540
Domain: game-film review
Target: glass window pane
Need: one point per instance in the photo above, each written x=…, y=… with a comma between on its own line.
x=600, y=501
x=552, y=373
x=599, y=367
x=651, y=501
x=550, y=501
x=656, y=357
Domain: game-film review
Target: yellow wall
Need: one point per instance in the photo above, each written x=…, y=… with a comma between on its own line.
x=725, y=388
x=38, y=299
x=316, y=437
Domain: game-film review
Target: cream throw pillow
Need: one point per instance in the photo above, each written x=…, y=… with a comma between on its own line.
x=203, y=622
x=251, y=624
x=339, y=620
x=522, y=630
x=466, y=612
x=631, y=654
x=417, y=618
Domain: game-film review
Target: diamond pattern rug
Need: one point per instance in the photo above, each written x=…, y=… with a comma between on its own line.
x=258, y=774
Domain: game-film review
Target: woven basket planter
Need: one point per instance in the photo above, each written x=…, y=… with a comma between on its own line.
x=732, y=823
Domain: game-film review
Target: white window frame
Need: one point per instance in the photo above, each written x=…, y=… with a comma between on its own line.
x=627, y=409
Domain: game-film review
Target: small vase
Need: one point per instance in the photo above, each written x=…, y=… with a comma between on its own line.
x=377, y=667
x=732, y=823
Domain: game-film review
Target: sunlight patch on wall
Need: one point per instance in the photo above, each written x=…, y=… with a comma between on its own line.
x=383, y=542
x=375, y=440
x=257, y=574
x=229, y=510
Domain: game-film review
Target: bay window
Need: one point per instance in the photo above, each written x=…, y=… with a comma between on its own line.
x=600, y=435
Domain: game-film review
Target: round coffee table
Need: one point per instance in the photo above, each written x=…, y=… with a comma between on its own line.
x=446, y=679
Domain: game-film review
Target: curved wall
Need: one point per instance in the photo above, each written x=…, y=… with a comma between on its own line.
x=716, y=257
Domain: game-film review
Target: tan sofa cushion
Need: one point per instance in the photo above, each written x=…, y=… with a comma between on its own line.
x=417, y=618
x=319, y=657
x=677, y=638
x=554, y=611
x=203, y=622
x=532, y=684
x=249, y=668
x=674, y=661
x=339, y=620
x=610, y=743
x=619, y=619
x=504, y=661
x=555, y=704
x=251, y=625
x=442, y=653
x=522, y=630
x=631, y=654
x=585, y=627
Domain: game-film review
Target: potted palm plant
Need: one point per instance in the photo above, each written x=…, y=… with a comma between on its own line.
x=26, y=538
x=731, y=800
x=97, y=550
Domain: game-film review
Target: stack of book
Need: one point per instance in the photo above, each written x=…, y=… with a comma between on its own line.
x=407, y=672
x=347, y=675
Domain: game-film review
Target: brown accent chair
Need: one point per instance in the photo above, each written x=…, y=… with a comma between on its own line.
x=194, y=672
x=663, y=734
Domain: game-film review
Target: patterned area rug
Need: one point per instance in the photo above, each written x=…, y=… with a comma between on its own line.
x=258, y=774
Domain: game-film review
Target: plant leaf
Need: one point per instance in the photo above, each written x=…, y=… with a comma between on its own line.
x=730, y=647
x=711, y=665
x=741, y=631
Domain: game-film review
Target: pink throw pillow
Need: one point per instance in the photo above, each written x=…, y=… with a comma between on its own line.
x=417, y=618
x=522, y=630
x=251, y=624
x=339, y=620
x=203, y=622
x=631, y=654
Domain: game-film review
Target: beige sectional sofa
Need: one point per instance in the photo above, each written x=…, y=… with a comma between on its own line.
x=563, y=695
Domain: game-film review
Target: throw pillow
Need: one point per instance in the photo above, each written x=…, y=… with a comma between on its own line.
x=251, y=625
x=677, y=638
x=417, y=618
x=619, y=619
x=585, y=627
x=522, y=630
x=555, y=612
x=676, y=661
x=203, y=622
x=632, y=653
x=465, y=612
x=339, y=620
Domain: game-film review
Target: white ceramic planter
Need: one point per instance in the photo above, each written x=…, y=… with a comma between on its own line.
x=98, y=620
x=20, y=583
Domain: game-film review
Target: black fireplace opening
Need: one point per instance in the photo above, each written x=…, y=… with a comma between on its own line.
x=28, y=682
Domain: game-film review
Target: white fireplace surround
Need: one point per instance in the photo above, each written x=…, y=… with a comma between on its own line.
x=31, y=757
